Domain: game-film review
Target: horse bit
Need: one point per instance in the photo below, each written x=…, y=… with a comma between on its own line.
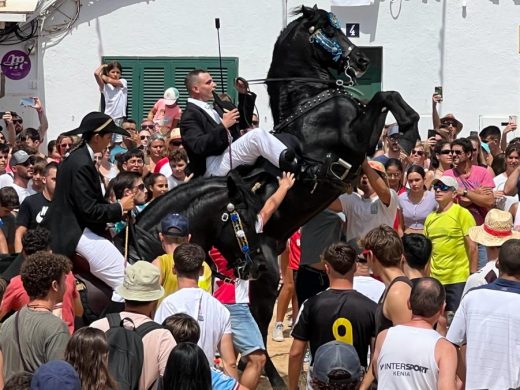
x=240, y=234
x=332, y=46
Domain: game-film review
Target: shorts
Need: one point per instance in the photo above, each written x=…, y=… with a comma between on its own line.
x=246, y=335
x=453, y=295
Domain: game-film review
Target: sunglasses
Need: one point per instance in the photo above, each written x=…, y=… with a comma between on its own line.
x=19, y=121
x=445, y=151
x=143, y=137
x=176, y=143
x=450, y=123
x=140, y=187
x=441, y=187
x=418, y=152
x=65, y=145
x=457, y=152
x=144, y=127
x=394, y=137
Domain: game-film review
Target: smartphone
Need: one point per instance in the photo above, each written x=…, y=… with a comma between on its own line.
x=431, y=133
x=504, y=123
x=512, y=119
x=27, y=102
x=473, y=133
x=438, y=91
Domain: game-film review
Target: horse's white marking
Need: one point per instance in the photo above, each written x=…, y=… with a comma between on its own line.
x=384, y=109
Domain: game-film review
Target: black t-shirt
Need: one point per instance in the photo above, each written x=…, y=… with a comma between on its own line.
x=32, y=211
x=343, y=315
x=318, y=234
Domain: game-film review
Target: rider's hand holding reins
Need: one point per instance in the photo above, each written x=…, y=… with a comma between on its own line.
x=230, y=118
x=127, y=203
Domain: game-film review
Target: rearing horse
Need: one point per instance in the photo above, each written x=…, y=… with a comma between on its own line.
x=327, y=126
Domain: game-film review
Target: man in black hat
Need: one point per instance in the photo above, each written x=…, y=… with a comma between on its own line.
x=79, y=213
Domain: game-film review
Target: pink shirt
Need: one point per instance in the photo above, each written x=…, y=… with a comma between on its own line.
x=157, y=347
x=164, y=115
x=478, y=177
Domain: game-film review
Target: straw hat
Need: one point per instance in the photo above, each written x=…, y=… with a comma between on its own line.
x=497, y=229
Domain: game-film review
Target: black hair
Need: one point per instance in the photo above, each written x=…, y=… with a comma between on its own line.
x=465, y=143
x=135, y=152
x=4, y=148
x=509, y=258
x=35, y=240
x=123, y=180
x=19, y=381
x=427, y=297
x=49, y=166
x=30, y=133
x=9, y=198
x=417, y=250
x=493, y=131
x=416, y=169
x=187, y=368
x=394, y=162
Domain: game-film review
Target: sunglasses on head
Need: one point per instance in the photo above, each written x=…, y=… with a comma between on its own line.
x=418, y=152
x=144, y=127
x=441, y=187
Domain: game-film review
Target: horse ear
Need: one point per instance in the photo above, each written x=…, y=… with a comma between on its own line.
x=233, y=191
x=307, y=12
x=315, y=8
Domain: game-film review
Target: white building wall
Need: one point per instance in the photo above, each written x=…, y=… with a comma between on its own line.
x=472, y=51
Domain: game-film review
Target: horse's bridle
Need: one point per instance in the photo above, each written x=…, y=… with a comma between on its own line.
x=231, y=214
x=331, y=46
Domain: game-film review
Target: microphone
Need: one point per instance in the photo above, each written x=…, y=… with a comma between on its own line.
x=217, y=23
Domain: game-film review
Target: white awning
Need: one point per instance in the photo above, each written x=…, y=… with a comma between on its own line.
x=16, y=10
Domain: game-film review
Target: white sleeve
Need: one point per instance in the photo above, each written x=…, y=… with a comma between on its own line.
x=457, y=331
x=227, y=322
x=162, y=312
x=124, y=82
x=346, y=201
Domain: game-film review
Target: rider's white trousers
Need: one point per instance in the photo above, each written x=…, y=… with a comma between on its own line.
x=106, y=262
x=245, y=150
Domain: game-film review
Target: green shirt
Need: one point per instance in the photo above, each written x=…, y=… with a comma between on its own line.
x=447, y=230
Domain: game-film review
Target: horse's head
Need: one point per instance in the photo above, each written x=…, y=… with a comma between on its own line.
x=330, y=46
x=237, y=240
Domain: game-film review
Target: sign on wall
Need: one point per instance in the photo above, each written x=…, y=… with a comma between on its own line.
x=16, y=64
x=352, y=30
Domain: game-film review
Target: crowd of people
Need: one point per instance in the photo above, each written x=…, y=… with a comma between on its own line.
x=406, y=282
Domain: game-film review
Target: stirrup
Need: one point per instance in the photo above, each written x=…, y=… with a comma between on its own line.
x=341, y=164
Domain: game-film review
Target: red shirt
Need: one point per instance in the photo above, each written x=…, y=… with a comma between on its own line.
x=15, y=298
x=228, y=293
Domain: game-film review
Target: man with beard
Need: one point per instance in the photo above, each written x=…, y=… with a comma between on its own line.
x=22, y=166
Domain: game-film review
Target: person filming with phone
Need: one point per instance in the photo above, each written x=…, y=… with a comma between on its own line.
x=14, y=122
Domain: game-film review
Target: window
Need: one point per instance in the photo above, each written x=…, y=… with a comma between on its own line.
x=148, y=77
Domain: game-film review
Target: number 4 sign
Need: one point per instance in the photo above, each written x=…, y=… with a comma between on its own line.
x=353, y=30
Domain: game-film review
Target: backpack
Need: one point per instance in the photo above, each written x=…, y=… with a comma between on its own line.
x=126, y=351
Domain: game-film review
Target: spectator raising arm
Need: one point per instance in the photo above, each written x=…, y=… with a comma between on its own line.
x=377, y=182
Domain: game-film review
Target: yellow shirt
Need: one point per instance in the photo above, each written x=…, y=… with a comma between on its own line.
x=169, y=279
x=447, y=230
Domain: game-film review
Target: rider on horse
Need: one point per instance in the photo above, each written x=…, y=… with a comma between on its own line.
x=79, y=213
x=212, y=148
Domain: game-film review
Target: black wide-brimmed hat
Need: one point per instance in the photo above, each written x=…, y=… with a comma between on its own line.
x=95, y=122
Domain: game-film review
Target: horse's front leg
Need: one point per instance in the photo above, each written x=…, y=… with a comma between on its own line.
x=406, y=117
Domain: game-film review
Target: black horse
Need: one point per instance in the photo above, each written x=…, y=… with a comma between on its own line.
x=317, y=117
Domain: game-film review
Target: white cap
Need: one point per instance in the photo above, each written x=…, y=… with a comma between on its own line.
x=170, y=96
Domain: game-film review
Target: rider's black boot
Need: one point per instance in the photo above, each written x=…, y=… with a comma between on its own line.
x=288, y=162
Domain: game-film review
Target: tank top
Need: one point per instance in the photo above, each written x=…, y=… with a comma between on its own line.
x=382, y=322
x=407, y=359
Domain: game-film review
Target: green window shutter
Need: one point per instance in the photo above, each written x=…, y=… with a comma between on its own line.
x=148, y=78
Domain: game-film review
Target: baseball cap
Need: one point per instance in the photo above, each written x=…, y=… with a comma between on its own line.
x=19, y=157
x=447, y=180
x=170, y=96
x=142, y=283
x=56, y=374
x=175, y=225
x=392, y=130
x=336, y=356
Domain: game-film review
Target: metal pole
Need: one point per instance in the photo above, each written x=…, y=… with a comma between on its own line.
x=217, y=26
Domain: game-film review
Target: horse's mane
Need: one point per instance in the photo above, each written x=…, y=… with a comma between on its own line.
x=199, y=192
